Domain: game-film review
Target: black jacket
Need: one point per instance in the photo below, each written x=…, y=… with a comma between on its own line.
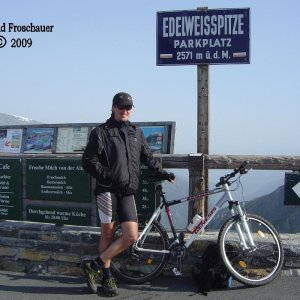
x=113, y=156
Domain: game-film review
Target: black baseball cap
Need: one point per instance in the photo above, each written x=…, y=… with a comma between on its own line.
x=122, y=99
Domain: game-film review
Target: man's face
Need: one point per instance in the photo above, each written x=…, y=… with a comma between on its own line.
x=122, y=114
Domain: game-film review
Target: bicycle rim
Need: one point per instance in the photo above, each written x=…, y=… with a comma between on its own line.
x=251, y=267
x=138, y=266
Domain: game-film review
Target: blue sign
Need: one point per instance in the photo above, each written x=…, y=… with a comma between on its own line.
x=216, y=36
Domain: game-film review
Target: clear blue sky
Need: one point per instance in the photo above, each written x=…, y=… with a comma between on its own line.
x=98, y=48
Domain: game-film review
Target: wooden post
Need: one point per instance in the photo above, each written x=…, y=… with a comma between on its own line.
x=203, y=109
x=203, y=127
x=199, y=178
x=195, y=167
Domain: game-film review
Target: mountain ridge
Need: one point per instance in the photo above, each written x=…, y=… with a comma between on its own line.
x=285, y=218
x=9, y=120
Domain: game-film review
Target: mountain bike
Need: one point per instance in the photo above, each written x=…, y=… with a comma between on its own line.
x=250, y=247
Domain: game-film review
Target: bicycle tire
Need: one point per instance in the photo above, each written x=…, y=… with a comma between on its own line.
x=139, y=267
x=252, y=268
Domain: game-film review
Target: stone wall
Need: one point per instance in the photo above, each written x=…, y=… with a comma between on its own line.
x=50, y=249
x=46, y=248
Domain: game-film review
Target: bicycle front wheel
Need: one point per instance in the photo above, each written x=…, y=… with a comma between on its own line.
x=135, y=266
x=253, y=266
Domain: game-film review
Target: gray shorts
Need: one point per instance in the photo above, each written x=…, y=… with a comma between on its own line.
x=112, y=204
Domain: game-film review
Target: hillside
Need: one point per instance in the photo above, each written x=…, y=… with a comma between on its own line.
x=9, y=120
x=285, y=218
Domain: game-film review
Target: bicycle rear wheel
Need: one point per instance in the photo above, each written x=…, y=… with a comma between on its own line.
x=141, y=266
x=253, y=267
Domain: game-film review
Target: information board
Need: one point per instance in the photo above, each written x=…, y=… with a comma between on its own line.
x=213, y=36
x=10, y=189
x=59, y=215
x=57, y=179
x=54, y=181
x=145, y=196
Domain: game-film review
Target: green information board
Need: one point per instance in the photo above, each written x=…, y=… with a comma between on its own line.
x=10, y=189
x=59, y=215
x=145, y=197
x=57, y=180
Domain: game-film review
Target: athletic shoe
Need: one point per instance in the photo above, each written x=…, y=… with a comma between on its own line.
x=92, y=277
x=109, y=287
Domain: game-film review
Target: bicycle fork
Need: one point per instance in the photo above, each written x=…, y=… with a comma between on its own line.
x=243, y=225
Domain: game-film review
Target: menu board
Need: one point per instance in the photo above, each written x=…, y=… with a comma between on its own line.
x=10, y=189
x=57, y=180
x=39, y=140
x=11, y=140
x=59, y=215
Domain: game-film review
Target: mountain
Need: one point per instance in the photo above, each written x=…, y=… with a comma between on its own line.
x=176, y=191
x=285, y=218
x=8, y=120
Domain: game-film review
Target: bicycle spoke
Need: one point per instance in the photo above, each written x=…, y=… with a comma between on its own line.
x=139, y=266
x=255, y=266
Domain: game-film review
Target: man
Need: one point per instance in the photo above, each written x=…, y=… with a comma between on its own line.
x=112, y=156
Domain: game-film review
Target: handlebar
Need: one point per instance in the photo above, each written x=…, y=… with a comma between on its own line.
x=223, y=180
x=240, y=170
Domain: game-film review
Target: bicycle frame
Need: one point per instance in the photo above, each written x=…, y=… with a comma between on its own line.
x=226, y=197
x=167, y=204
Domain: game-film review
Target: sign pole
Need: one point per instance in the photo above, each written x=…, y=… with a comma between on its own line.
x=203, y=127
x=198, y=177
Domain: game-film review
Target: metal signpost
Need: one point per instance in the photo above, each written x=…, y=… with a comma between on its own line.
x=202, y=37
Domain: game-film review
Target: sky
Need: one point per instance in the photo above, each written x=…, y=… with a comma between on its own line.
x=98, y=48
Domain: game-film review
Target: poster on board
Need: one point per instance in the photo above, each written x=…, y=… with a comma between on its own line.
x=71, y=139
x=39, y=140
x=10, y=140
x=155, y=137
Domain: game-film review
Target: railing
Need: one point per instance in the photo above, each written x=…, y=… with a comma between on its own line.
x=197, y=164
x=259, y=162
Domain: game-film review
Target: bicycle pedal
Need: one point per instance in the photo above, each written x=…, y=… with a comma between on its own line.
x=176, y=272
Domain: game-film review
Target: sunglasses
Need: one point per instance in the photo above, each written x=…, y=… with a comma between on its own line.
x=129, y=107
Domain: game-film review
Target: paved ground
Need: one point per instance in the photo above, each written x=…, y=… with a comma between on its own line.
x=19, y=286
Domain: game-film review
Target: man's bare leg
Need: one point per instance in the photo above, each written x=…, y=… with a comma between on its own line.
x=128, y=237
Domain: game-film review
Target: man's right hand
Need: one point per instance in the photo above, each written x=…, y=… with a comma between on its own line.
x=168, y=176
